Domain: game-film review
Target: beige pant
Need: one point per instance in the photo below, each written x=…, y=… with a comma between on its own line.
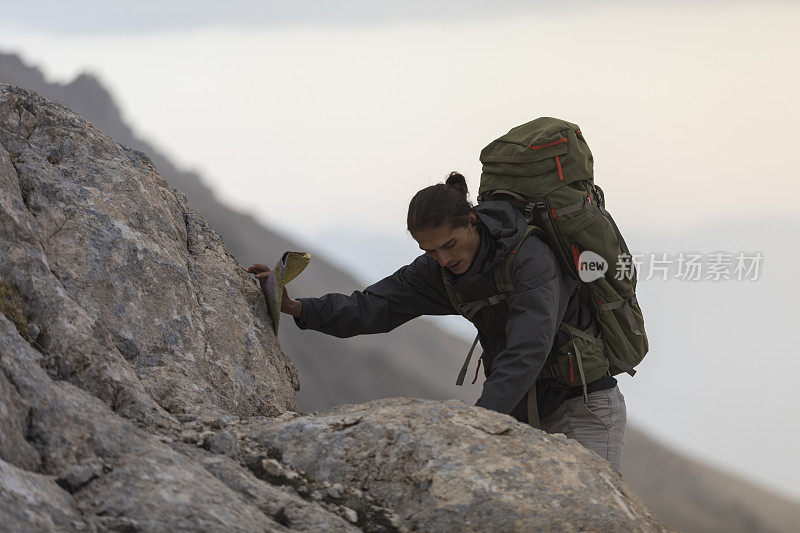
x=598, y=425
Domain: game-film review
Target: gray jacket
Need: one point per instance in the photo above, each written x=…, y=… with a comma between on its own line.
x=516, y=336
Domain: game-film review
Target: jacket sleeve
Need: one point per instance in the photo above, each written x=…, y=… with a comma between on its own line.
x=416, y=289
x=536, y=308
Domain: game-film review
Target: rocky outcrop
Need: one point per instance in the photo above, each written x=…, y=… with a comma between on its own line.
x=143, y=389
x=133, y=296
x=74, y=464
x=445, y=466
x=418, y=359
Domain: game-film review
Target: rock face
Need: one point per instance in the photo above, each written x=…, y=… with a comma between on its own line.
x=135, y=297
x=145, y=390
x=418, y=359
x=74, y=464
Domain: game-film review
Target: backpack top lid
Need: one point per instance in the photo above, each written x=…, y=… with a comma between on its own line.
x=549, y=149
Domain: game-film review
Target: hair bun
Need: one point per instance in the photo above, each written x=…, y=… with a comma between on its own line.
x=442, y=203
x=457, y=181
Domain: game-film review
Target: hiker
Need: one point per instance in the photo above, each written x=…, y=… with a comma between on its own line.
x=533, y=338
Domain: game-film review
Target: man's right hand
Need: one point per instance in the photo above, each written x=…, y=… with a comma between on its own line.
x=288, y=306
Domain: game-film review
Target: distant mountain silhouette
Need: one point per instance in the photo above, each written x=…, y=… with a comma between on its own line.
x=418, y=359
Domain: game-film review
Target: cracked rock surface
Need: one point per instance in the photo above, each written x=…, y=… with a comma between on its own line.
x=135, y=296
x=445, y=466
x=147, y=392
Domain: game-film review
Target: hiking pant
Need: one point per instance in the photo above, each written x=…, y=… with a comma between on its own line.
x=598, y=425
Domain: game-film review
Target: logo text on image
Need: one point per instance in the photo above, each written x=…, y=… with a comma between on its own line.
x=591, y=266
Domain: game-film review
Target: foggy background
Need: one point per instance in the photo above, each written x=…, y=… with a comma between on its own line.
x=322, y=119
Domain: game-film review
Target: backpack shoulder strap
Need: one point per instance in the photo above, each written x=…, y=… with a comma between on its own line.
x=502, y=269
x=455, y=299
x=467, y=309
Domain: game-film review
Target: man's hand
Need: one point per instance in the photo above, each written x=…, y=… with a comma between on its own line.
x=288, y=306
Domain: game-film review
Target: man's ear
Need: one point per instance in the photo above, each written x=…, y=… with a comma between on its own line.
x=473, y=218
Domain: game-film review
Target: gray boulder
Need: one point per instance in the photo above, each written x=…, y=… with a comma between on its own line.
x=135, y=296
x=447, y=466
x=142, y=388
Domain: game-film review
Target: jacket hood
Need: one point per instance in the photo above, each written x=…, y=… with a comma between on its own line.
x=505, y=224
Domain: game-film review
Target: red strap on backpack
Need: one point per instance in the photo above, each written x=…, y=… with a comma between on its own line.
x=476, y=371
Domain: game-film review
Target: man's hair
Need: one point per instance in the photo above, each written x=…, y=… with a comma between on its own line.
x=441, y=203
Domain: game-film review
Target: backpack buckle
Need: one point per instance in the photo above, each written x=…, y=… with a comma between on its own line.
x=527, y=212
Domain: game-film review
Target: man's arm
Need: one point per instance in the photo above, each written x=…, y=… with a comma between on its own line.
x=412, y=291
x=291, y=307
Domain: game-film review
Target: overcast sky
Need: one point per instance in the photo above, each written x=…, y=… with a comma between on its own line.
x=682, y=109
x=151, y=16
x=325, y=123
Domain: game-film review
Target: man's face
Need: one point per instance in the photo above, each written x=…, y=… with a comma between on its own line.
x=454, y=248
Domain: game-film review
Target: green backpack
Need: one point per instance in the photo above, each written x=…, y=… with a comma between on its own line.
x=544, y=169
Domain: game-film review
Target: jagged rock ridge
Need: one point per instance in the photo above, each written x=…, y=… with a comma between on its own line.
x=146, y=395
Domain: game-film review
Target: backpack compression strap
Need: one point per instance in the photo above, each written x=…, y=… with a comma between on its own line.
x=626, y=309
x=462, y=374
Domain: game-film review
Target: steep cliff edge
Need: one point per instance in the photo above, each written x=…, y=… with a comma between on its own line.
x=145, y=390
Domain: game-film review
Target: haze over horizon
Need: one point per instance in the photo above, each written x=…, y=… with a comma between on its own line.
x=689, y=116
